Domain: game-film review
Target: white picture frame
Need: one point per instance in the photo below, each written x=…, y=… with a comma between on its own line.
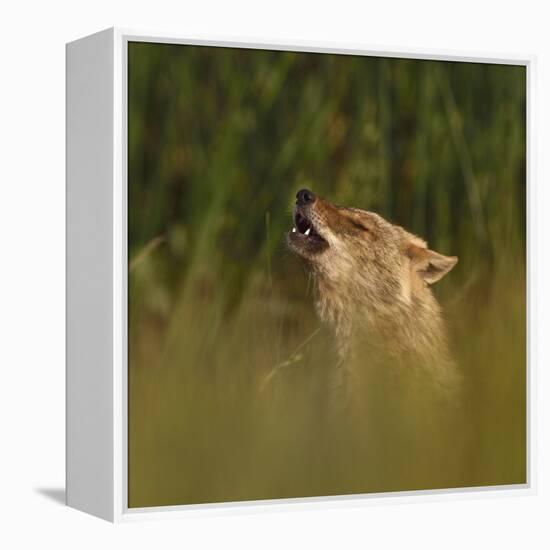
x=96, y=390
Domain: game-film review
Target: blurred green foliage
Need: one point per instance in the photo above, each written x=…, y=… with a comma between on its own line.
x=219, y=141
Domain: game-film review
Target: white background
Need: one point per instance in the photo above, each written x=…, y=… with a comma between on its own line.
x=32, y=131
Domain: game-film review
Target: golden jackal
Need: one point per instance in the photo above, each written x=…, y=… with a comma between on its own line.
x=372, y=280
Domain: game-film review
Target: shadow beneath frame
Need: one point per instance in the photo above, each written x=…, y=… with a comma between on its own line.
x=56, y=494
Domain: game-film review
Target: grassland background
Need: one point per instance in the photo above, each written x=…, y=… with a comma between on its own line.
x=226, y=358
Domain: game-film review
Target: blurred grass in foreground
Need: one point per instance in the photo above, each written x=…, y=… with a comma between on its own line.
x=227, y=363
x=206, y=427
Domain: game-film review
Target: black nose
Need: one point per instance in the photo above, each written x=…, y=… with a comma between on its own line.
x=304, y=196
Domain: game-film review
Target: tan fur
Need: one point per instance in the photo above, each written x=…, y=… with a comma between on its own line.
x=372, y=281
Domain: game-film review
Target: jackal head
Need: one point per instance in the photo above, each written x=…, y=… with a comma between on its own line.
x=359, y=252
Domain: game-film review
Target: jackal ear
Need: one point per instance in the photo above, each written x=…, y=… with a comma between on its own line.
x=429, y=265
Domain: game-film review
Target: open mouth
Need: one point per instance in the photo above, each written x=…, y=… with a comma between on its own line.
x=303, y=226
x=303, y=236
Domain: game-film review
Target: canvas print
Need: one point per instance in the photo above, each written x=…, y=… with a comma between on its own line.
x=326, y=274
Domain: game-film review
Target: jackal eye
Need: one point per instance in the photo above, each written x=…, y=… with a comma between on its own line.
x=361, y=226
